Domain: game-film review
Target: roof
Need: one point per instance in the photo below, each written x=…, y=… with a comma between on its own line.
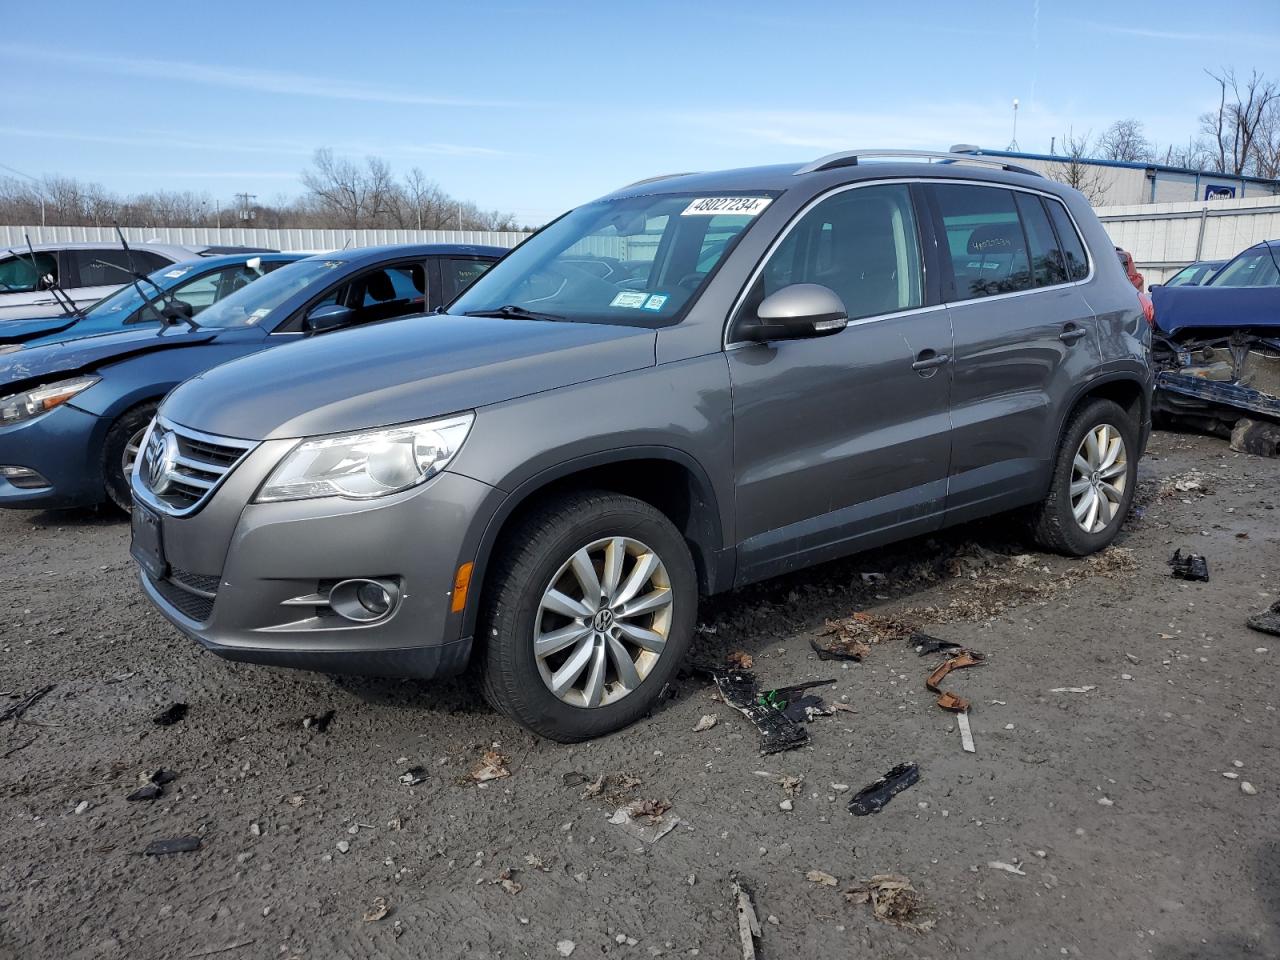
x=785, y=176
x=1124, y=164
x=233, y=259
x=391, y=250
x=177, y=251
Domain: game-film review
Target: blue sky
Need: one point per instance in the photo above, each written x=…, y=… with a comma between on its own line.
x=533, y=108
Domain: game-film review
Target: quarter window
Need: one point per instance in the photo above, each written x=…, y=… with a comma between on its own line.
x=1077, y=262
x=860, y=243
x=1047, y=264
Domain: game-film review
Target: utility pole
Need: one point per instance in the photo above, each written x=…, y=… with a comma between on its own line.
x=246, y=209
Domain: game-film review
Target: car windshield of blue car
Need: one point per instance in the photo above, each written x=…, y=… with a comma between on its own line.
x=127, y=299
x=637, y=261
x=249, y=306
x=1253, y=268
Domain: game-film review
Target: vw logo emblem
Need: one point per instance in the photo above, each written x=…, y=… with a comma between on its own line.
x=162, y=454
x=603, y=620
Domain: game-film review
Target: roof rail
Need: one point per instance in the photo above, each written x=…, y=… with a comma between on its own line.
x=665, y=176
x=850, y=158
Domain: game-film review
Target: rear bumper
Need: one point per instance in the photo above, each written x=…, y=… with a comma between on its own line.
x=65, y=447
x=280, y=555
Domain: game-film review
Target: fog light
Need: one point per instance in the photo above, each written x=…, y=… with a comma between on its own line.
x=24, y=478
x=364, y=600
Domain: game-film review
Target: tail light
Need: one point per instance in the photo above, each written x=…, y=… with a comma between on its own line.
x=1148, y=308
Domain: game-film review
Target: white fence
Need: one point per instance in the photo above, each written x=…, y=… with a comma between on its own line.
x=1164, y=237
x=311, y=241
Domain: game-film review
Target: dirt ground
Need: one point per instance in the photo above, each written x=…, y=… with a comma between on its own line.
x=1122, y=807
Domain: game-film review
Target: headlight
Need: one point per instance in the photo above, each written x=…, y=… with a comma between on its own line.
x=32, y=403
x=361, y=466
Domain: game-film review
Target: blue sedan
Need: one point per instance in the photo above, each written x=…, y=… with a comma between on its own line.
x=198, y=283
x=72, y=414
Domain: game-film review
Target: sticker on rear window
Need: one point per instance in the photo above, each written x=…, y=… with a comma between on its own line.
x=731, y=206
x=656, y=301
x=629, y=298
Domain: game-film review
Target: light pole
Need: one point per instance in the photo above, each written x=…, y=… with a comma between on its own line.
x=34, y=180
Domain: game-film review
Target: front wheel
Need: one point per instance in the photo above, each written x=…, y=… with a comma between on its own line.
x=1094, y=479
x=588, y=613
x=120, y=452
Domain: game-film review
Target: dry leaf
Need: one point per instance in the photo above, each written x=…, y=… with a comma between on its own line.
x=492, y=766
x=740, y=660
x=706, y=723
x=377, y=910
x=822, y=877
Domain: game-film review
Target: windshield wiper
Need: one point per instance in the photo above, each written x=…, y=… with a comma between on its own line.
x=510, y=311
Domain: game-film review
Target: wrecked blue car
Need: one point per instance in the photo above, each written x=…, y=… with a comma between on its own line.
x=1216, y=349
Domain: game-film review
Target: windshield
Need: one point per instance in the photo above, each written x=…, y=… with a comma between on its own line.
x=635, y=261
x=1253, y=268
x=249, y=306
x=127, y=299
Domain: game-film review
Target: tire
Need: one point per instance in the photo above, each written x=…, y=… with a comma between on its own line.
x=128, y=429
x=538, y=555
x=1054, y=525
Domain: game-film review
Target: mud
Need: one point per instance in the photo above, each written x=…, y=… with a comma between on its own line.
x=1112, y=805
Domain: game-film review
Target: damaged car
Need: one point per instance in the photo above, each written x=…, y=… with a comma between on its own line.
x=1216, y=349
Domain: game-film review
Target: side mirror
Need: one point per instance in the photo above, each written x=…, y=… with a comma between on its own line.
x=799, y=311
x=46, y=282
x=1154, y=286
x=327, y=317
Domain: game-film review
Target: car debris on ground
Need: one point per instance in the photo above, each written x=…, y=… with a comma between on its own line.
x=1007, y=867
x=377, y=910
x=873, y=797
x=748, y=922
x=15, y=711
x=650, y=820
x=706, y=722
x=1189, y=566
x=778, y=714
x=1268, y=621
x=966, y=732
x=413, y=776
x=160, y=848
x=893, y=900
x=174, y=713
x=154, y=786
x=958, y=660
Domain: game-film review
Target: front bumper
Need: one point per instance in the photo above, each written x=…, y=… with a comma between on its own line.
x=278, y=553
x=65, y=447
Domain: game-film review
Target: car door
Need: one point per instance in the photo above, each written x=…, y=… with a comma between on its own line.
x=842, y=442
x=1024, y=333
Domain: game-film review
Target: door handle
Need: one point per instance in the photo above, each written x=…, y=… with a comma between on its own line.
x=1072, y=333
x=928, y=360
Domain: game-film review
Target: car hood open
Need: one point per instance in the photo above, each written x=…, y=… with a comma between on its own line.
x=1215, y=308
x=398, y=371
x=88, y=353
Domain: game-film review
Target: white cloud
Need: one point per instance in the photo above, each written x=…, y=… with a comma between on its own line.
x=245, y=78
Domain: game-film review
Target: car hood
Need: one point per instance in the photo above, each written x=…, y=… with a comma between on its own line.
x=88, y=353
x=20, y=331
x=399, y=371
x=1183, y=308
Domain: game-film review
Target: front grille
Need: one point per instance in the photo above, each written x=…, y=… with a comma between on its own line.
x=180, y=467
x=192, y=594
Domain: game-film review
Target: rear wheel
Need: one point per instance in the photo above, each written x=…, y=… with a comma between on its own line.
x=1093, y=481
x=589, y=611
x=120, y=452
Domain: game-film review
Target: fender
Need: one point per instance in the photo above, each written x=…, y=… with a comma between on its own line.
x=717, y=561
x=1130, y=371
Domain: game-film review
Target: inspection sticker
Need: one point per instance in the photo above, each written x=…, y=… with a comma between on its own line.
x=175, y=274
x=656, y=301
x=731, y=206
x=629, y=298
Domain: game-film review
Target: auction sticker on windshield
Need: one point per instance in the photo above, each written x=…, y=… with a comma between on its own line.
x=629, y=298
x=736, y=206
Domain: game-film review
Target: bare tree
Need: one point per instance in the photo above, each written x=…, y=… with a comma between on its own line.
x=1125, y=140
x=1266, y=144
x=1075, y=171
x=338, y=187
x=1243, y=107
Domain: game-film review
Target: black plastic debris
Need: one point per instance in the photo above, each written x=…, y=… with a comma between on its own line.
x=873, y=797
x=840, y=650
x=414, y=776
x=171, y=714
x=148, y=791
x=160, y=848
x=1189, y=566
x=319, y=722
x=924, y=645
x=163, y=776
x=778, y=731
x=1267, y=621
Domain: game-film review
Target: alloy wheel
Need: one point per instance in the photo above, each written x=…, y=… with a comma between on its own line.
x=1099, y=476
x=603, y=622
x=130, y=454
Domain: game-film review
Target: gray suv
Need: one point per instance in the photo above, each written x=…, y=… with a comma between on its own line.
x=694, y=383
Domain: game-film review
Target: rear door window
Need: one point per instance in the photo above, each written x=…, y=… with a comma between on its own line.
x=985, y=240
x=458, y=273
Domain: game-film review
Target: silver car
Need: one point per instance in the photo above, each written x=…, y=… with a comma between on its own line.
x=86, y=272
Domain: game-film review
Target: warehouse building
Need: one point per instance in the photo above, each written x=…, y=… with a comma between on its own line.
x=1120, y=182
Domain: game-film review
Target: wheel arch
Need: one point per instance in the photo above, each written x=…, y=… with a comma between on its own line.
x=665, y=477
